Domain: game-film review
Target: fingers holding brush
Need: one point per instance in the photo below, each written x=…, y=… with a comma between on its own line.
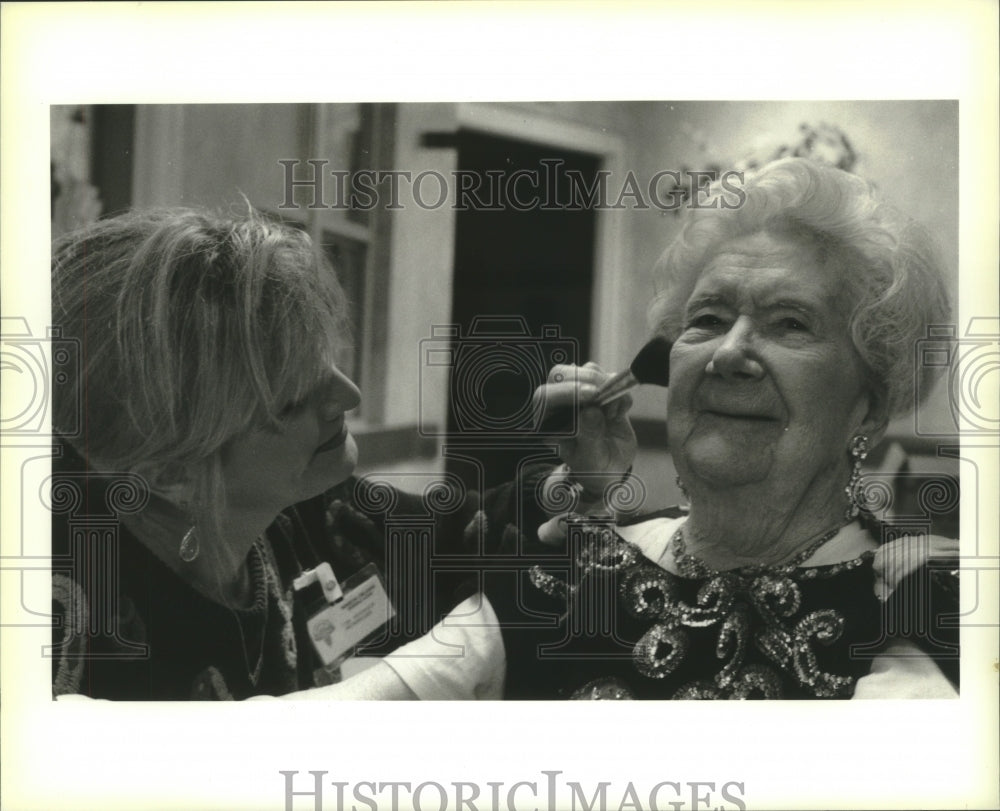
x=565, y=390
x=603, y=447
x=597, y=442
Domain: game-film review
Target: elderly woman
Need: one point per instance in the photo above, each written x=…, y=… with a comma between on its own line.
x=210, y=540
x=794, y=320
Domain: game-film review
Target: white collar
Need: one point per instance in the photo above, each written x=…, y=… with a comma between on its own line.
x=652, y=537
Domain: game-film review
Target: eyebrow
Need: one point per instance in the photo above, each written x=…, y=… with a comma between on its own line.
x=704, y=300
x=801, y=305
x=715, y=299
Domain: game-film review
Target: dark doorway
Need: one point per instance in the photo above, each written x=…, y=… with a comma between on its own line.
x=524, y=268
x=113, y=155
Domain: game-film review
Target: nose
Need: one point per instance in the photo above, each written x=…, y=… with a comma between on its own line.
x=734, y=358
x=338, y=394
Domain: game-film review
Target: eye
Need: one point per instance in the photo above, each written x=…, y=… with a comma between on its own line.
x=793, y=324
x=293, y=408
x=704, y=321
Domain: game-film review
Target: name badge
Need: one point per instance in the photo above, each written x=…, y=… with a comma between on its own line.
x=343, y=615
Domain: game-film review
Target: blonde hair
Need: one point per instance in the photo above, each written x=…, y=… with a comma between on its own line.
x=194, y=327
x=891, y=269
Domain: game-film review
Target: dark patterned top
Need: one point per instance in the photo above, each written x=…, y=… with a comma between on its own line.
x=610, y=624
x=127, y=627
x=592, y=620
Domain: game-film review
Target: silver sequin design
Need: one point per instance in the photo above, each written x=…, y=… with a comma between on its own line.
x=726, y=601
x=609, y=689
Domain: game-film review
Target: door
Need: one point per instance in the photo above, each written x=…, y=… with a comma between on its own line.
x=522, y=293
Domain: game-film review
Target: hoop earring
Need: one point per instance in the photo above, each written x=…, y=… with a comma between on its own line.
x=859, y=452
x=190, y=545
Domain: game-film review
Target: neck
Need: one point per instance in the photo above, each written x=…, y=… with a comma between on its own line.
x=759, y=524
x=220, y=571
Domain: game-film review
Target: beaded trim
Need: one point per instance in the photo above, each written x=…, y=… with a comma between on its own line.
x=694, y=567
x=727, y=601
x=549, y=584
x=607, y=689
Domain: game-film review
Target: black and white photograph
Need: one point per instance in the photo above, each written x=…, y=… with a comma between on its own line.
x=342, y=402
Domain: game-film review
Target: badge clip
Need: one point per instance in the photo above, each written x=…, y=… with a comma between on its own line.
x=339, y=618
x=323, y=576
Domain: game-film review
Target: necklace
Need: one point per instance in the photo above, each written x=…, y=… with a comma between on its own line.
x=691, y=566
x=258, y=580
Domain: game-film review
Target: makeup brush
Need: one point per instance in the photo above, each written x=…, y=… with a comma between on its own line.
x=651, y=365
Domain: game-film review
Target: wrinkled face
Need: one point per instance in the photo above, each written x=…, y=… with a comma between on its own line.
x=271, y=469
x=765, y=385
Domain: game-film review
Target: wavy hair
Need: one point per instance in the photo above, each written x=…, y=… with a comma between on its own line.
x=890, y=268
x=194, y=327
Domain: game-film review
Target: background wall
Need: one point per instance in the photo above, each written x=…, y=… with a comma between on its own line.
x=908, y=149
x=212, y=154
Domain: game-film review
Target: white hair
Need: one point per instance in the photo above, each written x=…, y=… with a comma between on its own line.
x=889, y=265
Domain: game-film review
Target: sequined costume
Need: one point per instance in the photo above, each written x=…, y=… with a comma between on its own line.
x=606, y=622
x=593, y=619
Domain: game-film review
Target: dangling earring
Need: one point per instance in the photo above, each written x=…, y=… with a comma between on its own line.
x=859, y=451
x=190, y=545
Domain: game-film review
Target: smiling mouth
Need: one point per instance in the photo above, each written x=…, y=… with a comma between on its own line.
x=745, y=417
x=335, y=441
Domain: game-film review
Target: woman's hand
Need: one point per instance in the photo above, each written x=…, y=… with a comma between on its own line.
x=601, y=451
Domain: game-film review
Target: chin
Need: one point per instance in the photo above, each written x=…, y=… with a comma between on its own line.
x=722, y=476
x=333, y=467
x=721, y=465
x=350, y=460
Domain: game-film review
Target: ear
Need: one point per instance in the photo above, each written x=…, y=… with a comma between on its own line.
x=171, y=482
x=876, y=419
